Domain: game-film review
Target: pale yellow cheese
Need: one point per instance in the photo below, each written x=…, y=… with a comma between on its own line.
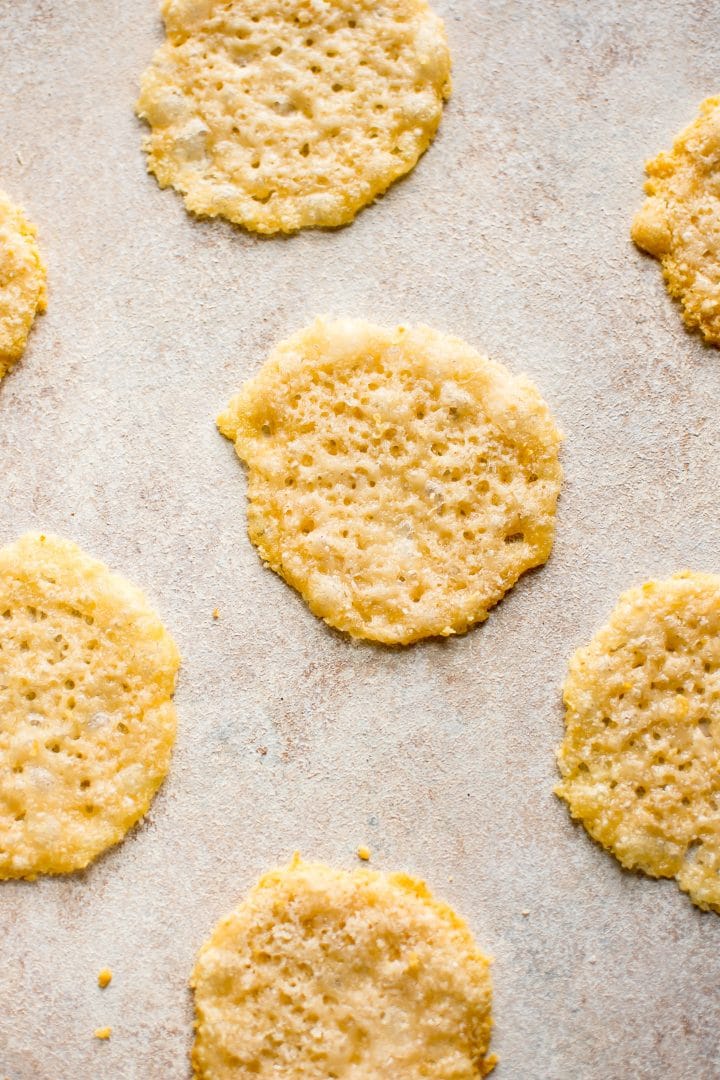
x=282, y=114
x=640, y=762
x=87, y=724
x=399, y=480
x=679, y=223
x=22, y=282
x=321, y=973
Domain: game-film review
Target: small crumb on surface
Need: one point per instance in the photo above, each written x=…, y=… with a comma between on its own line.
x=262, y=750
x=216, y=613
x=104, y=978
x=363, y=853
x=103, y=1033
x=525, y=912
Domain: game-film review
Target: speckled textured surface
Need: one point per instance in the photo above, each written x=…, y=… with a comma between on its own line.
x=513, y=232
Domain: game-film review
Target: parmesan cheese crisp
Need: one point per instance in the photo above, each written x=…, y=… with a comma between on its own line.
x=399, y=480
x=640, y=762
x=282, y=114
x=87, y=724
x=679, y=222
x=22, y=282
x=359, y=976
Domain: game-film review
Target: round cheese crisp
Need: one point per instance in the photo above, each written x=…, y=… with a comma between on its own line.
x=641, y=758
x=22, y=282
x=87, y=673
x=282, y=114
x=359, y=976
x=399, y=480
x=680, y=221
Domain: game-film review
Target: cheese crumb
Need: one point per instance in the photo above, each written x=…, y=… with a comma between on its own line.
x=216, y=613
x=103, y=1033
x=364, y=853
x=104, y=978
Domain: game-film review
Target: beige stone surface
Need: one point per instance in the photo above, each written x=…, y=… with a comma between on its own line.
x=512, y=234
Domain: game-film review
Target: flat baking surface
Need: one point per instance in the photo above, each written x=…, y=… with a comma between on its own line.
x=513, y=233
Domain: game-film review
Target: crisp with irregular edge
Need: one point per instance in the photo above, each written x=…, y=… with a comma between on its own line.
x=87, y=725
x=286, y=114
x=359, y=976
x=22, y=282
x=398, y=480
x=680, y=221
x=640, y=761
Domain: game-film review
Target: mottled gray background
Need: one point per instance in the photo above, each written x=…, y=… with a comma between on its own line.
x=512, y=232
